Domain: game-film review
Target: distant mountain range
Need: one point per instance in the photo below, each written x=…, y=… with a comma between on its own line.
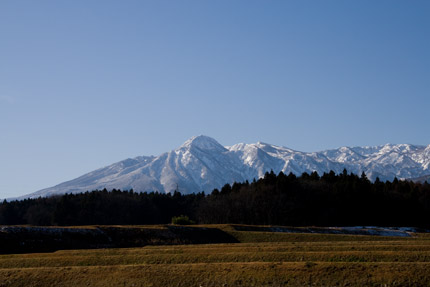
x=202, y=164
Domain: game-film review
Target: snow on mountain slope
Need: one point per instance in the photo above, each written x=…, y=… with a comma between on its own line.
x=202, y=164
x=98, y=179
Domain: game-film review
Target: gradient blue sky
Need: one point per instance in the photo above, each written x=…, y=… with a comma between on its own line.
x=84, y=84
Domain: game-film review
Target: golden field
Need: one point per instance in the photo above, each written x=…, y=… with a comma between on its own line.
x=259, y=259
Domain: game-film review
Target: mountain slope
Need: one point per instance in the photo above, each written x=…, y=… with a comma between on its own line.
x=202, y=164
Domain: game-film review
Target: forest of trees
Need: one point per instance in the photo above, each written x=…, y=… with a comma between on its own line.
x=310, y=199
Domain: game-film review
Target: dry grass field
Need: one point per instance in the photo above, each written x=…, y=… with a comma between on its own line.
x=260, y=259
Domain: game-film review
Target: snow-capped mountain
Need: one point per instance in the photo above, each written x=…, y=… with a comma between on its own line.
x=202, y=164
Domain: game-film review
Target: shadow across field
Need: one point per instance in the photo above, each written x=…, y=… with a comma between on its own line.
x=23, y=239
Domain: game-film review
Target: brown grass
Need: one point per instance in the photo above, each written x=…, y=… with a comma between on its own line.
x=225, y=274
x=261, y=259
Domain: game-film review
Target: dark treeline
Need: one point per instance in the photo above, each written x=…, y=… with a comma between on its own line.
x=310, y=199
x=100, y=207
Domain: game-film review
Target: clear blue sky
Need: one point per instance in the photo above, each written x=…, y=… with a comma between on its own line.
x=86, y=83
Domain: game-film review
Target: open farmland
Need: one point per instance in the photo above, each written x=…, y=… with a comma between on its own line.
x=259, y=259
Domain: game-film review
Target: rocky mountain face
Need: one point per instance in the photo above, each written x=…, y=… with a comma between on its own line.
x=202, y=164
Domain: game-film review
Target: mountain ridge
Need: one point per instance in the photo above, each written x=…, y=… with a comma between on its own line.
x=202, y=164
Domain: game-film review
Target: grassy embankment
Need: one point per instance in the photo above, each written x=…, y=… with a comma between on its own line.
x=260, y=259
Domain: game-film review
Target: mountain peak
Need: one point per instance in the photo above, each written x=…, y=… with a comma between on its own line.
x=203, y=142
x=202, y=164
